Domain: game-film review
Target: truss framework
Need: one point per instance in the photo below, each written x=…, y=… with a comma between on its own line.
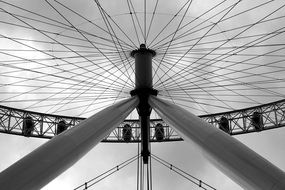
x=272, y=116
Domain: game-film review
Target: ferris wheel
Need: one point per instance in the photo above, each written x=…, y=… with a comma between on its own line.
x=142, y=72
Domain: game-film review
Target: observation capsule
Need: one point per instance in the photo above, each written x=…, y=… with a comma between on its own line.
x=28, y=126
x=159, y=132
x=127, y=133
x=257, y=121
x=224, y=124
x=61, y=126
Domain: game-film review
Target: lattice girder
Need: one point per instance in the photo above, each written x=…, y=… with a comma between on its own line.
x=240, y=122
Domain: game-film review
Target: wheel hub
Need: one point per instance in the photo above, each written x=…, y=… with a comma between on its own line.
x=143, y=89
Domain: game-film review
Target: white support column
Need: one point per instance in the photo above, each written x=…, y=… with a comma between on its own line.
x=52, y=158
x=243, y=165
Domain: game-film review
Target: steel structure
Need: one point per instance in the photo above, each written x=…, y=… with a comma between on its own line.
x=200, y=61
x=46, y=125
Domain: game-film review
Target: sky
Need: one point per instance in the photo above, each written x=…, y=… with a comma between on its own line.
x=86, y=92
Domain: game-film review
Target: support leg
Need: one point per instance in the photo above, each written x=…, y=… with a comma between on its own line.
x=52, y=158
x=243, y=165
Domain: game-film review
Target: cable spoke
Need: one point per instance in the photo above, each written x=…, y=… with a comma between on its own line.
x=207, y=58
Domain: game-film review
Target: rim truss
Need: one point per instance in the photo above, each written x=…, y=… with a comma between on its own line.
x=14, y=121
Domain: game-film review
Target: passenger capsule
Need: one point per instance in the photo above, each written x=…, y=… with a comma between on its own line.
x=159, y=132
x=28, y=126
x=61, y=126
x=127, y=133
x=224, y=124
x=257, y=121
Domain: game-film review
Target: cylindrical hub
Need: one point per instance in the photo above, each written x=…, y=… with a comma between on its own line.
x=143, y=66
x=143, y=73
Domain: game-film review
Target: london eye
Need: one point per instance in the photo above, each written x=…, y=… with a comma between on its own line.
x=143, y=75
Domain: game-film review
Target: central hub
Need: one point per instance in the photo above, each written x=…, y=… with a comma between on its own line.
x=143, y=66
x=143, y=81
x=143, y=71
